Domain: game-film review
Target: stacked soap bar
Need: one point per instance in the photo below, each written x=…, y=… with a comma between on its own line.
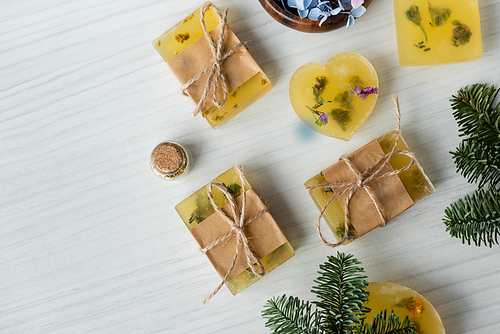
x=250, y=82
x=432, y=32
x=405, y=303
x=415, y=182
x=196, y=211
x=337, y=98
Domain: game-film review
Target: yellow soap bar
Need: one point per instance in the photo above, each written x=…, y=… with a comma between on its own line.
x=416, y=183
x=337, y=98
x=432, y=32
x=197, y=207
x=188, y=31
x=406, y=303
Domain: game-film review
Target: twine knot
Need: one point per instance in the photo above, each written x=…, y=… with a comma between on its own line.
x=362, y=180
x=238, y=221
x=216, y=73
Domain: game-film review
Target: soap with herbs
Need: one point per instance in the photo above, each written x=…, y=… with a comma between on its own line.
x=395, y=193
x=404, y=302
x=335, y=99
x=186, y=50
x=265, y=237
x=433, y=32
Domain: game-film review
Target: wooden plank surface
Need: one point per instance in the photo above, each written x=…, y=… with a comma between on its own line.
x=89, y=238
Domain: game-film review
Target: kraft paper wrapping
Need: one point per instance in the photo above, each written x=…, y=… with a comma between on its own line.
x=239, y=67
x=390, y=192
x=263, y=233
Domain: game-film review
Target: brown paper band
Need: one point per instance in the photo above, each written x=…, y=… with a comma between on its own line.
x=362, y=180
x=237, y=224
x=214, y=70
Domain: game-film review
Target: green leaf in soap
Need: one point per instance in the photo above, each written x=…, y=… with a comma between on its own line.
x=461, y=34
x=344, y=99
x=439, y=16
x=234, y=189
x=342, y=116
x=413, y=14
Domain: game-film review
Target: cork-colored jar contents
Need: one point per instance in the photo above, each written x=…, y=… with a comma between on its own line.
x=169, y=160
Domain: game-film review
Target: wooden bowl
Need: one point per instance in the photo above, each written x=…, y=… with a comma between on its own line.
x=304, y=24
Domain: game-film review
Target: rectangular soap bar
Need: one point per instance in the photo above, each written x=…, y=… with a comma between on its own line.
x=188, y=33
x=414, y=180
x=432, y=32
x=196, y=210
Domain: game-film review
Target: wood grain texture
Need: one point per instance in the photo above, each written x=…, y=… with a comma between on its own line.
x=89, y=238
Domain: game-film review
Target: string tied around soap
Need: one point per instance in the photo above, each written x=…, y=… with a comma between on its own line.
x=238, y=221
x=216, y=72
x=362, y=180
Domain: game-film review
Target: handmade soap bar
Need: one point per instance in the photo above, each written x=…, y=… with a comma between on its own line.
x=432, y=32
x=185, y=49
x=265, y=237
x=337, y=98
x=416, y=186
x=404, y=302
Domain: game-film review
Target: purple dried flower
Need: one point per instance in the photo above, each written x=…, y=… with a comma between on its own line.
x=323, y=118
x=365, y=92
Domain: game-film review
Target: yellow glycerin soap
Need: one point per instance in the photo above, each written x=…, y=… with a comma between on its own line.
x=432, y=32
x=266, y=239
x=415, y=182
x=186, y=50
x=404, y=302
x=337, y=98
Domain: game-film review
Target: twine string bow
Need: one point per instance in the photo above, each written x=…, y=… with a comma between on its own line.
x=237, y=223
x=362, y=180
x=216, y=72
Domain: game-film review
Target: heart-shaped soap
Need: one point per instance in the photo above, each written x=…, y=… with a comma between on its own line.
x=337, y=98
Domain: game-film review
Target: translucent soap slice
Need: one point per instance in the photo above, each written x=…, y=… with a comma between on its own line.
x=197, y=207
x=404, y=302
x=329, y=98
x=431, y=32
x=188, y=31
x=416, y=183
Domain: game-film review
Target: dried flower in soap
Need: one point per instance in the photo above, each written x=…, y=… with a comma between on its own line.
x=461, y=34
x=413, y=14
x=439, y=16
x=365, y=92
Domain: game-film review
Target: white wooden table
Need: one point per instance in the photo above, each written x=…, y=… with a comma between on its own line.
x=89, y=238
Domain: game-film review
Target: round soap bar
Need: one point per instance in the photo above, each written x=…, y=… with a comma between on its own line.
x=404, y=302
x=337, y=98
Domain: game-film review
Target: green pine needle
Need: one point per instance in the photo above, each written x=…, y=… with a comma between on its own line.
x=389, y=324
x=478, y=162
x=341, y=290
x=341, y=286
x=291, y=315
x=475, y=218
x=475, y=114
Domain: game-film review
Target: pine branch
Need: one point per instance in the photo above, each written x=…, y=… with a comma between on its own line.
x=341, y=290
x=290, y=315
x=475, y=114
x=475, y=218
x=389, y=325
x=478, y=162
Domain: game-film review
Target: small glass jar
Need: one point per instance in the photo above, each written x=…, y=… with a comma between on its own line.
x=169, y=160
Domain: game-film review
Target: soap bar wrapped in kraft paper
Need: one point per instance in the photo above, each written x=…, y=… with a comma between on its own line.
x=216, y=70
x=235, y=230
x=369, y=187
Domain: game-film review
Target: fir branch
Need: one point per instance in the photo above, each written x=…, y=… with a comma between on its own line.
x=478, y=162
x=475, y=218
x=389, y=325
x=290, y=315
x=475, y=114
x=341, y=290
